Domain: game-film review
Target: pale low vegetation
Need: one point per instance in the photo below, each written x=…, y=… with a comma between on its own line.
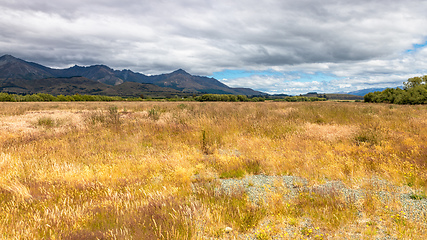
x=153, y=170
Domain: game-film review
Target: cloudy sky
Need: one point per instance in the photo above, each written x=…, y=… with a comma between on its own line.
x=276, y=46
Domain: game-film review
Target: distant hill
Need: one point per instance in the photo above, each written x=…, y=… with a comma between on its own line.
x=14, y=71
x=129, y=89
x=15, y=68
x=54, y=86
x=277, y=96
x=363, y=92
x=334, y=96
x=82, y=85
x=100, y=73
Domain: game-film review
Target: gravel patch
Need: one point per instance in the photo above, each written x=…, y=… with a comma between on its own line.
x=259, y=187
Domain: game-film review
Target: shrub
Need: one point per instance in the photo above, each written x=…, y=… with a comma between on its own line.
x=154, y=114
x=5, y=97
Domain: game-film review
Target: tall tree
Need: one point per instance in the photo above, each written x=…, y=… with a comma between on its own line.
x=415, y=81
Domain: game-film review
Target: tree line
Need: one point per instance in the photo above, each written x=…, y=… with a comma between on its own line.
x=300, y=99
x=413, y=92
x=227, y=98
x=44, y=97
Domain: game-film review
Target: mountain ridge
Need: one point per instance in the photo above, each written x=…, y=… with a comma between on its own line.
x=365, y=91
x=82, y=85
x=12, y=68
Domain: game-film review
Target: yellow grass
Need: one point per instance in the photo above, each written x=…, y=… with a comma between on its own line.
x=151, y=170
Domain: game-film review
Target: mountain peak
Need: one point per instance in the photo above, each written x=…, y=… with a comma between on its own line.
x=180, y=71
x=15, y=68
x=8, y=58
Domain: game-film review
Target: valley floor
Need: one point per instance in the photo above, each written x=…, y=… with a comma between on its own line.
x=159, y=170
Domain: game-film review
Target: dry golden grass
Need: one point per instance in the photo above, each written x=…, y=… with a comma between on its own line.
x=151, y=170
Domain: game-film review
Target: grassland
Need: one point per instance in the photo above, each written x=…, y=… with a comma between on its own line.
x=154, y=170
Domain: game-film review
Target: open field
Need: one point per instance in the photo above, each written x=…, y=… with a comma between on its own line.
x=158, y=170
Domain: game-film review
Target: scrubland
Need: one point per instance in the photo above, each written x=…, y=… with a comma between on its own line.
x=154, y=170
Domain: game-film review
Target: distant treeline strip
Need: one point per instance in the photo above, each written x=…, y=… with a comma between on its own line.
x=414, y=92
x=44, y=97
x=300, y=99
x=243, y=98
x=227, y=98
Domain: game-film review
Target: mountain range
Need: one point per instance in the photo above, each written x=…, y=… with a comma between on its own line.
x=23, y=77
x=363, y=92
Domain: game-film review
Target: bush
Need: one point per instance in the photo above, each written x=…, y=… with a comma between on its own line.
x=5, y=97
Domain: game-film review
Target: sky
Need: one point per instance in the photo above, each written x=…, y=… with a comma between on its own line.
x=274, y=46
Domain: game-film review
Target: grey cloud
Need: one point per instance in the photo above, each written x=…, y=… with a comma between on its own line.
x=346, y=38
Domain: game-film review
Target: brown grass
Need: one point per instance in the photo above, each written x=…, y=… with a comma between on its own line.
x=149, y=170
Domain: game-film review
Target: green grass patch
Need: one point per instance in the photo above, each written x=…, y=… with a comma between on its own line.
x=418, y=196
x=47, y=122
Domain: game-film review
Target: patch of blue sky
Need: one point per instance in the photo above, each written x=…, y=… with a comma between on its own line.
x=415, y=47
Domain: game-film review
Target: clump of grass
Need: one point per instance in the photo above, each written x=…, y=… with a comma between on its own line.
x=47, y=122
x=252, y=166
x=114, y=115
x=205, y=147
x=264, y=234
x=95, y=117
x=240, y=169
x=154, y=113
x=325, y=207
x=233, y=208
x=182, y=106
x=211, y=141
x=233, y=173
x=160, y=218
x=369, y=133
x=114, y=118
x=418, y=196
x=366, y=136
x=242, y=213
x=110, y=118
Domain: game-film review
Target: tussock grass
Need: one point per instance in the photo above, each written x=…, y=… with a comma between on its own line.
x=149, y=170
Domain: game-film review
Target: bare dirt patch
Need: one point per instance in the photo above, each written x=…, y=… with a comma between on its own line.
x=28, y=122
x=330, y=132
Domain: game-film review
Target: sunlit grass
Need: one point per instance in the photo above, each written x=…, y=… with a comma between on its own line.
x=150, y=170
